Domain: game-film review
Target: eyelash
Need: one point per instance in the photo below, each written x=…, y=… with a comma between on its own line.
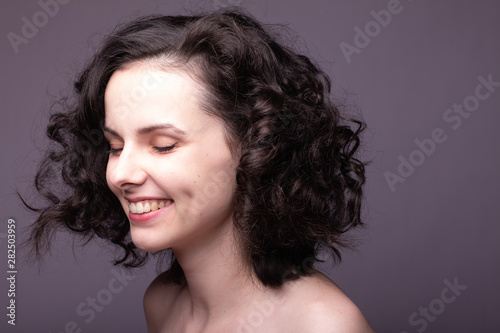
x=165, y=149
x=112, y=151
x=157, y=149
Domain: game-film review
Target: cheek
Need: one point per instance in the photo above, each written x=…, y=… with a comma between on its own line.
x=108, y=174
x=215, y=188
x=109, y=169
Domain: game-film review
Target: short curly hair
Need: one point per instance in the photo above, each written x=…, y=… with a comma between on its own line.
x=299, y=185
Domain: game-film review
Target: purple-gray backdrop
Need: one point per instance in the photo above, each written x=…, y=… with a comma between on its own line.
x=425, y=75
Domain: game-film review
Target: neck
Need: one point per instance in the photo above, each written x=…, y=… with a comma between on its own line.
x=217, y=280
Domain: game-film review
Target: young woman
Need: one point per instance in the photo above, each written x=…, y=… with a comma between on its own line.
x=204, y=138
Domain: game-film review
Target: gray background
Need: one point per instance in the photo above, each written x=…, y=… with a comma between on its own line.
x=441, y=223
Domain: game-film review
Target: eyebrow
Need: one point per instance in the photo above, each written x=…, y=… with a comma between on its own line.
x=148, y=129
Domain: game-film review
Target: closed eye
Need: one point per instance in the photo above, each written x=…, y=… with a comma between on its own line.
x=114, y=151
x=165, y=149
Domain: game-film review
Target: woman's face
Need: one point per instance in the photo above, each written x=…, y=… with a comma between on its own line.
x=169, y=164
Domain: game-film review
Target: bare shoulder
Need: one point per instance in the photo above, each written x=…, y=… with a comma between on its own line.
x=158, y=300
x=323, y=307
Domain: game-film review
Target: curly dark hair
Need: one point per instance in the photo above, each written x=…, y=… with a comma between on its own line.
x=299, y=185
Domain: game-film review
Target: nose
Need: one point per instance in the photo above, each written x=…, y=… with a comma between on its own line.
x=125, y=170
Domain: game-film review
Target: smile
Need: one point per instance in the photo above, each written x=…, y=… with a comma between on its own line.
x=147, y=206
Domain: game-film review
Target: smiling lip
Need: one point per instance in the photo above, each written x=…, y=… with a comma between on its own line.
x=142, y=217
x=136, y=199
x=146, y=217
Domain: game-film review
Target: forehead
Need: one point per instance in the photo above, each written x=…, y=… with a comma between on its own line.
x=139, y=83
x=143, y=91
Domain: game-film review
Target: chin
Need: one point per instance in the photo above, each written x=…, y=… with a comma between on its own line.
x=148, y=247
x=146, y=244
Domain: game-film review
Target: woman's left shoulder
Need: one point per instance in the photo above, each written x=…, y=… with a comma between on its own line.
x=321, y=306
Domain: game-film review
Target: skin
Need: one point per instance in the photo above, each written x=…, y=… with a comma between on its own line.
x=222, y=294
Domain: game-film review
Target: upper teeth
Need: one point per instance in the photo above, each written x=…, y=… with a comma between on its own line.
x=147, y=205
